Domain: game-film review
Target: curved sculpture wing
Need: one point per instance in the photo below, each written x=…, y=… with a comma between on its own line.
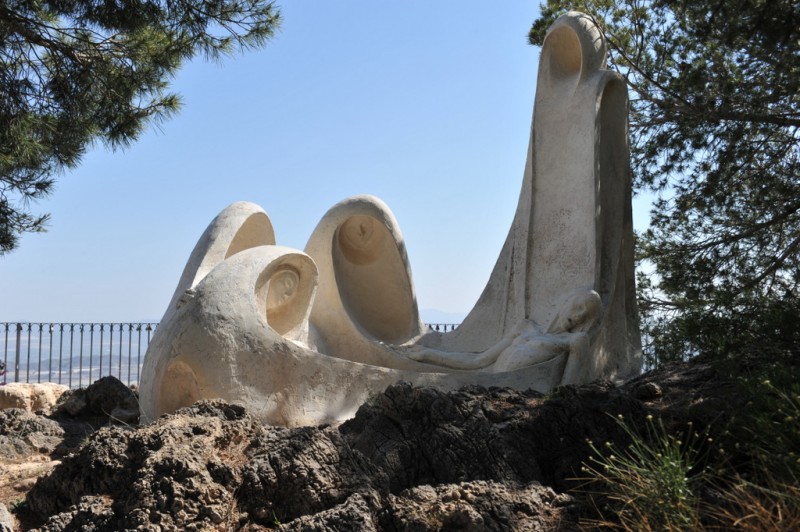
x=366, y=295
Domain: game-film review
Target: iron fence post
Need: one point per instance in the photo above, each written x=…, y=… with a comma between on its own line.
x=80, y=359
x=50, y=358
x=60, y=350
x=119, y=374
x=91, y=350
x=101, y=349
x=110, y=348
x=28, y=359
x=5, y=355
x=39, y=367
x=130, y=339
x=71, y=344
x=138, y=351
x=16, y=360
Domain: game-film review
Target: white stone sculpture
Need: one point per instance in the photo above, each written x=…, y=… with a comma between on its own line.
x=306, y=337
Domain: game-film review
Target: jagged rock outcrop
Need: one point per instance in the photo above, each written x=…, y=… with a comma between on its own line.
x=480, y=505
x=424, y=436
x=411, y=459
x=23, y=433
x=107, y=399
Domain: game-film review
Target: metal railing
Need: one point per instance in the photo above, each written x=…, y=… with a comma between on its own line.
x=442, y=327
x=80, y=353
x=73, y=353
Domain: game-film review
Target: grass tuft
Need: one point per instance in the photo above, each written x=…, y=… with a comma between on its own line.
x=646, y=485
x=747, y=479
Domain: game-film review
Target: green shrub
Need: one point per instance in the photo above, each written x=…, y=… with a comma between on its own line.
x=647, y=485
x=655, y=482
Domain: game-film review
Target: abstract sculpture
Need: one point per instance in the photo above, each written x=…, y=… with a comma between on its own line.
x=306, y=337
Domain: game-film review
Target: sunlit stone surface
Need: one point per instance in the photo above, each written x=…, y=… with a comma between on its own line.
x=306, y=337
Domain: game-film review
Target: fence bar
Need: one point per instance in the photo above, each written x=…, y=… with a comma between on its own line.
x=101, y=348
x=91, y=348
x=28, y=365
x=50, y=358
x=39, y=365
x=5, y=355
x=71, y=343
x=138, y=350
x=130, y=334
x=80, y=361
x=16, y=359
x=60, y=350
x=110, y=346
x=119, y=366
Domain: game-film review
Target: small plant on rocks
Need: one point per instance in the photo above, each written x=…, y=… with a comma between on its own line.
x=649, y=484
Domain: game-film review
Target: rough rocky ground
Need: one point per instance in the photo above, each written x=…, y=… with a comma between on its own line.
x=32, y=444
x=412, y=459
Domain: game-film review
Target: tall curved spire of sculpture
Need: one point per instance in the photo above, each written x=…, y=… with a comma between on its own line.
x=572, y=230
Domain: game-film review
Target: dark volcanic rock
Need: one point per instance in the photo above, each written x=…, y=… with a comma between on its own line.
x=411, y=459
x=105, y=399
x=479, y=505
x=423, y=436
x=23, y=433
x=297, y=472
x=160, y=474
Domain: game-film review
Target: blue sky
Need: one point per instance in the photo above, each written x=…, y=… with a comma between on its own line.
x=426, y=105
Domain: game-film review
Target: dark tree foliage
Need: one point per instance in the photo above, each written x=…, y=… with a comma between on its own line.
x=715, y=130
x=74, y=72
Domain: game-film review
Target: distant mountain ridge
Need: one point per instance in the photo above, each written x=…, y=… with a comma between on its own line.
x=440, y=316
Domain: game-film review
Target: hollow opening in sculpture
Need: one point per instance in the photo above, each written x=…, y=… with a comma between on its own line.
x=611, y=172
x=255, y=231
x=373, y=282
x=564, y=56
x=178, y=387
x=284, y=292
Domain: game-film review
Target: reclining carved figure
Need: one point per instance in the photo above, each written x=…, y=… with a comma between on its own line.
x=527, y=343
x=305, y=337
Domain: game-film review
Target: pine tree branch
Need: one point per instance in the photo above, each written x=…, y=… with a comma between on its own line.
x=752, y=230
x=791, y=249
